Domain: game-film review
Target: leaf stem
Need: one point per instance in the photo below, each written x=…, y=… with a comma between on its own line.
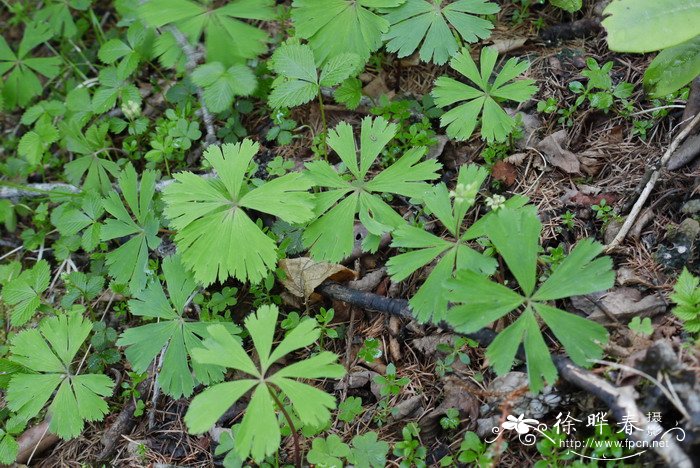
x=295, y=436
x=322, y=108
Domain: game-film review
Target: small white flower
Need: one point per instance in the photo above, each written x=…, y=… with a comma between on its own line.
x=464, y=193
x=131, y=109
x=496, y=202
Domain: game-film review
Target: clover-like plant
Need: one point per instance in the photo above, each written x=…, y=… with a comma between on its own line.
x=259, y=431
x=216, y=237
x=173, y=334
x=128, y=263
x=428, y=22
x=479, y=301
x=330, y=236
x=484, y=99
x=334, y=27
x=47, y=354
x=222, y=84
x=453, y=253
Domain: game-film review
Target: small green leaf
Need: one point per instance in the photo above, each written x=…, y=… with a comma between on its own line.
x=24, y=292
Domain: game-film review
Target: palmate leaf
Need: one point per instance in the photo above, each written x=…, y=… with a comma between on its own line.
x=478, y=301
x=24, y=292
x=259, y=435
x=95, y=168
x=228, y=38
x=298, y=82
x=21, y=84
x=431, y=22
x=48, y=351
x=221, y=85
x=137, y=47
x=70, y=219
x=216, y=237
x=482, y=100
x=334, y=27
x=114, y=86
x=330, y=236
x=686, y=296
x=429, y=302
x=172, y=333
x=128, y=263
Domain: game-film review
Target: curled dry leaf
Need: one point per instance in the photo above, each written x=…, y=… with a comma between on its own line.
x=303, y=275
x=505, y=172
x=556, y=155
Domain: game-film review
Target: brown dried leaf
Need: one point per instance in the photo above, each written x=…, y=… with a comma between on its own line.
x=303, y=275
x=505, y=172
x=557, y=156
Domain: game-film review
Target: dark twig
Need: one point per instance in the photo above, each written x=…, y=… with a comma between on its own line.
x=620, y=400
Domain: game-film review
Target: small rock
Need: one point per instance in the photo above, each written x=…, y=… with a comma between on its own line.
x=691, y=206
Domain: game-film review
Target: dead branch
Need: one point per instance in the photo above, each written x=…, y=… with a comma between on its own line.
x=621, y=401
x=656, y=174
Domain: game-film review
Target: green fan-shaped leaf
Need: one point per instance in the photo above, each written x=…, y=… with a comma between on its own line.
x=330, y=236
x=483, y=99
x=334, y=27
x=133, y=217
x=216, y=237
x=173, y=334
x=259, y=433
x=221, y=85
x=49, y=351
x=434, y=24
x=228, y=38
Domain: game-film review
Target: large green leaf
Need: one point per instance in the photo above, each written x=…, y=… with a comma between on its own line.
x=673, y=68
x=648, y=25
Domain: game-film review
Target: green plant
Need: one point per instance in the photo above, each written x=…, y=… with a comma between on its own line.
x=131, y=391
x=350, y=408
x=451, y=419
x=599, y=90
x=479, y=301
x=218, y=302
x=328, y=452
x=324, y=318
x=390, y=383
x=259, y=433
x=473, y=451
x=137, y=48
x=640, y=326
x=454, y=253
x=22, y=84
x=221, y=84
x=47, y=354
x=650, y=25
x=282, y=128
x=452, y=353
x=128, y=262
x=410, y=449
x=567, y=219
x=333, y=27
x=370, y=350
x=330, y=236
x=172, y=336
x=686, y=296
x=102, y=341
x=24, y=292
x=227, y=38
x=483, y=100
x=211, y=221
x=367, y=451
x=604, y=212
x=419, y=21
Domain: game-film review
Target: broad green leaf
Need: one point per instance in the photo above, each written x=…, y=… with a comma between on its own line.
x=367, y=451
x=478, y=301
x=578, y=274
x=484, y=99
x=339, y=68
x=49, y=352
x=434, y=24
x=216, y=237
x=686, y=296
x=569, y=5
x=173, y=334
x=132, y=216
x=259, y=433
x=349, y=93
x=329, y=237
x=227, y=37
x=334, y=27
x=515, y=234
x=221, y=85
x=673, y=68
x=328, y=452
x=24, y=292
x=648, y=25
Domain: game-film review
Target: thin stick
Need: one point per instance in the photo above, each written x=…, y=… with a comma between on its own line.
x=637, y=208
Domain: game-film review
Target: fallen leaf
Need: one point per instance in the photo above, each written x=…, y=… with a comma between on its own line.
x=621, y=304
x=303, y=275
x=505, y=172
x=551, y=147
x=376, y=88
x=504, y=45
